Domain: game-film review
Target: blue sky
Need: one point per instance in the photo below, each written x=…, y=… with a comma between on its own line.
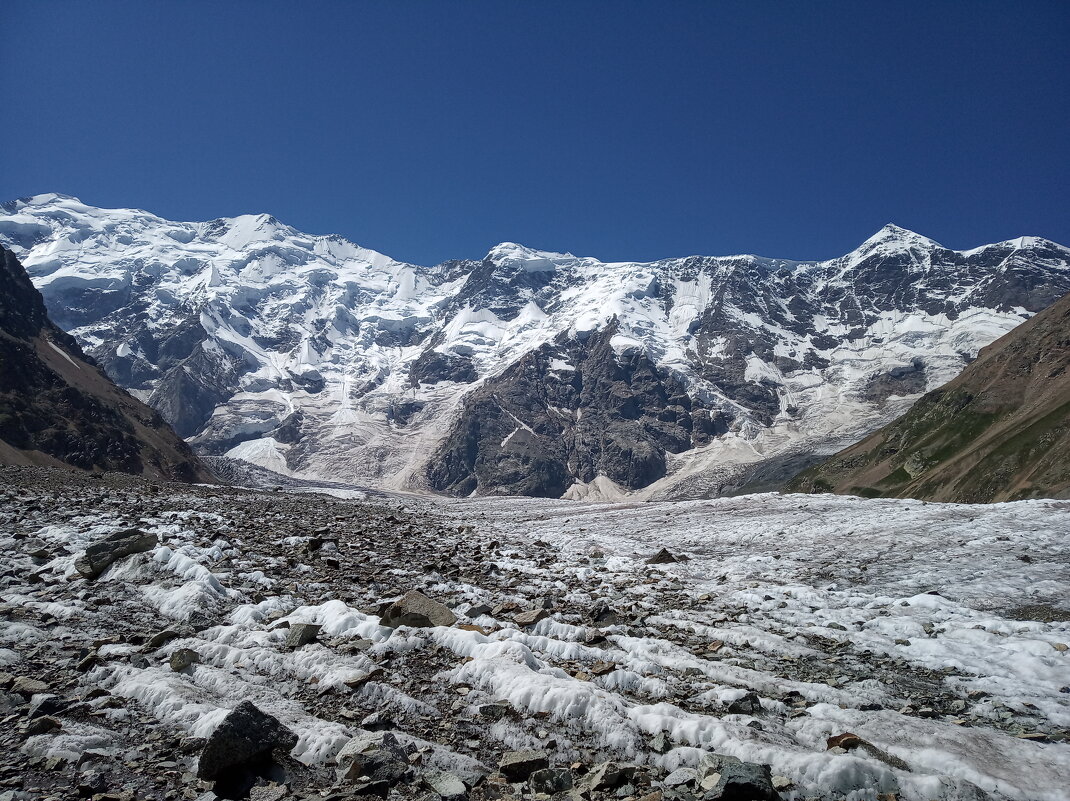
x=621, y=130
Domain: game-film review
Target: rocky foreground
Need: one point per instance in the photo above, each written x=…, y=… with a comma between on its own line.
x=163, y=641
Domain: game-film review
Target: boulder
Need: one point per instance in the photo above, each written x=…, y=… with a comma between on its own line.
x=302, y=634
x=417, y=610
x=550, y=781
x=95, y=559
x=447, y=785
x=245, y=736
x=609, y=776
x=516, y=766
x=724, y=778
x=182, y=658
x=749, y=704
x=662, y=557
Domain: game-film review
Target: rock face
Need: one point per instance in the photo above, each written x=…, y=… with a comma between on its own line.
x=58, y=408
x=1000, y=431
x=527, y=371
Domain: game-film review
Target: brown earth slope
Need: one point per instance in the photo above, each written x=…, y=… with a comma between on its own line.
x=1000, y=431
x=58, y=408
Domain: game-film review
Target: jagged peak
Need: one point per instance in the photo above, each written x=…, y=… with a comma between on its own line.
x=892, y=234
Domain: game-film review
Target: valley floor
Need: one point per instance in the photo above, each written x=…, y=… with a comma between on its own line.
x=936, y=634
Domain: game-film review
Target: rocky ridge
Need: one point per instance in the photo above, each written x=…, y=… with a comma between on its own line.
x=999, y=431
x=57, y=407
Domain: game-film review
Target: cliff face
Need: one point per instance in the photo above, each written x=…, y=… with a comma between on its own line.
x=999, y=431
x=57, y=407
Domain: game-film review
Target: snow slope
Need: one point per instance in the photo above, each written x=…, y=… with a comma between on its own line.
x=322, y=359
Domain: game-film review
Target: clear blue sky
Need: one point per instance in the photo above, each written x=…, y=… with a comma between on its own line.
x=622, y=130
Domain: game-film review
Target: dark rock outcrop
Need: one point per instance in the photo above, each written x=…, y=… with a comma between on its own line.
x=58, y=407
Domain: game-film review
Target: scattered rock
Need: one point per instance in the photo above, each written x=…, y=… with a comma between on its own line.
x=447, y=785
x=749, y=704
x=724, y=777
x=681, y=776
x=609, y=776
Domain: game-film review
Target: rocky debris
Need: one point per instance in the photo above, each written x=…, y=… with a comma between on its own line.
x=161, y=639
x=100, y=555
x=239, y=747
x=418, y=611
x=301, y=634
x=446, y=785
x=662, y=557
x=516, y=766
x=404, y=696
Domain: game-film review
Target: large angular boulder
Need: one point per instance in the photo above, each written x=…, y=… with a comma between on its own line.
x=245, y=737
x=417, y=610
x=95, y=559
x=516, y=766
x=726, y=778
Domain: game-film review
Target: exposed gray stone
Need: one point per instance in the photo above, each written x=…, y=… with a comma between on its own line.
x=98, y=556
x=417, y=610
x=516, y=766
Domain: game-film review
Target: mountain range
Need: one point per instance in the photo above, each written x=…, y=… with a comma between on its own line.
x=524, y=372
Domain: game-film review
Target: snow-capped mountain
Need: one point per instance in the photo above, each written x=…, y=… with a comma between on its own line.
x=526, y=372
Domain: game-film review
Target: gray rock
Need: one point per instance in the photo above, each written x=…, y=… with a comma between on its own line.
x=302, y=634
x=662, y=557
x=609, y=775
x=417, y=610
x=245, y=734
x=749, y=704
x=269, y=792
x=160, y=639
x=46, y=704
x=182, y=659
x=516, y=766
x=550, y=780
x=98, y=556
x=723, y=778
x=660, y=743
x=681, y=776
x=446, y=785
x=42, y=725
x=26, y=686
